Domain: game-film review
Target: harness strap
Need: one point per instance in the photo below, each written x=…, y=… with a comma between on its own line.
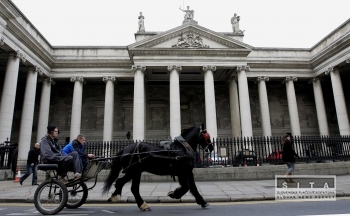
x=188, y=148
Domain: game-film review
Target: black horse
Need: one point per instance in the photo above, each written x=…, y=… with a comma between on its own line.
x=176, y=159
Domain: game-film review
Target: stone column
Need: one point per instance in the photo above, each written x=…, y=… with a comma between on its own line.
x=8, y=96
x=320, y=107
x=244, y=102
x=264, y=106
x=292, y=106
x=139, y=102
x=25, y=131
x=109, y=109
x=75, y=122
x=210, y=105
x=339, y=100
x=234, y=107
x=175, y=112
x=44, y=109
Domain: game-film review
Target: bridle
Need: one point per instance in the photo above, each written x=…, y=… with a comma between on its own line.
x=206, y=137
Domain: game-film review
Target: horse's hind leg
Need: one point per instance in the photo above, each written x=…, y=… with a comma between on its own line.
x=135, y=189
x=119, y=184
x=194, y=191
x=180, y=191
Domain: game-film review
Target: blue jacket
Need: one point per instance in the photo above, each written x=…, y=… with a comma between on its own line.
x=74, y=146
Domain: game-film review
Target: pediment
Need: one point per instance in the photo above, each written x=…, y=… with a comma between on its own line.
x=190, y=38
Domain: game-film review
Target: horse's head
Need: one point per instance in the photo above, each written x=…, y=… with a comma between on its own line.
x=195, y=135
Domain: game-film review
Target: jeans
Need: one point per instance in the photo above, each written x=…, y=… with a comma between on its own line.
x=290, y=166
x=30, y=169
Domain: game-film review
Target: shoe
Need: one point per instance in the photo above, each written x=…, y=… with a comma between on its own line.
x=20, y=182
x=64, y=180
x=35, y=184
x=77, y=176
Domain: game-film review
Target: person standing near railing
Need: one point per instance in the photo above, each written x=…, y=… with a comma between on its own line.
x=288, y=156
x=32, y=163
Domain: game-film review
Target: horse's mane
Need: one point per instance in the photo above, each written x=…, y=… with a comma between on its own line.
x=185, y=131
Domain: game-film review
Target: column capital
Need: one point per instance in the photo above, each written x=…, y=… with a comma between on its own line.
x=347, y=60
x=138, y=67
x=35, y=69
x=108, y=78
x=232, y=78
x=262, y=78
x=331, y=69
x=79, y=79
x=244, y=67
x=178, y=68
x=209, y=67
x=315, y=79
x=47, y=79
x=2, y=40
x=18, y=54
x=294, y=79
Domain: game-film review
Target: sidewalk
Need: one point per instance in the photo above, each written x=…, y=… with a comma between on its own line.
x=152, y=192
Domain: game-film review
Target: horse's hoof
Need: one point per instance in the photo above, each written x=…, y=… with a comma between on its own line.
x=205, y=205
x=171, y=194
x=145, y=207
x=114, y=199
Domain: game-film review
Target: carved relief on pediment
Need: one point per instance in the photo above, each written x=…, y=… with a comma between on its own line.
x=190, y=41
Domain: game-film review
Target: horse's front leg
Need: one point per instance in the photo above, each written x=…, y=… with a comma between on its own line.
x=135, y=189
x=182, y=190
x=194, y=191
x=119, y=184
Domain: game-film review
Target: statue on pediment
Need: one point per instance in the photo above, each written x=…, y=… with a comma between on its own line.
x=235, y=23
x=189, y=14
x=141, y=22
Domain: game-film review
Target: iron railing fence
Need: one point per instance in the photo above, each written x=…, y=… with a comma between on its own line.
x=232, y=151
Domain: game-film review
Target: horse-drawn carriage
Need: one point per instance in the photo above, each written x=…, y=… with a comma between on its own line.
x=177, y=159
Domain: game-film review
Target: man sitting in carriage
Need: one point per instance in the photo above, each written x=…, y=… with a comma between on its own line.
x=51, y=153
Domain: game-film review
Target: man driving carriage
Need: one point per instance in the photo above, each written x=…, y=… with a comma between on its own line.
x=51, y=153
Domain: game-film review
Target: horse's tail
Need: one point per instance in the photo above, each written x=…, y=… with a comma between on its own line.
x=113, y=174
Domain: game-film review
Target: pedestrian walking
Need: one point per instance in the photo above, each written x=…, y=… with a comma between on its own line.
x=32, y=163
x=288, y=156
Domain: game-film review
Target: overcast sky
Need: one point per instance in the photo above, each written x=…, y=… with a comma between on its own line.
x=267, y=23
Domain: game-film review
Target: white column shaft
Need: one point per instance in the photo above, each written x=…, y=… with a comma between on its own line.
x=210, y=105
x=25, y=131
x=109, y=112
x=264, y=109
x=175, y=112
x=293, y=108
x=340, y=105
x=139, y=106
x=44, y=109
x=75, y=122
x=244, y=104
x=8, y=98
x=320, y=108
x=234, y=108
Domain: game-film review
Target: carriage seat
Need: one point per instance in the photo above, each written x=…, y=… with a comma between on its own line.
x=47, y=167
x=165, y=144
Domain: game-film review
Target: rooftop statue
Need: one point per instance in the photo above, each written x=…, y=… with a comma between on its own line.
x=235, y=23
x=141, y=22
x=188, y=13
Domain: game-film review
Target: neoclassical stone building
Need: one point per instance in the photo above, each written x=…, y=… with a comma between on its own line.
x=165, y=81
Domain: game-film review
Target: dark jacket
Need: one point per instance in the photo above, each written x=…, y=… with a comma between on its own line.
x=33, y=156
x=288, y=154
x=50, y=149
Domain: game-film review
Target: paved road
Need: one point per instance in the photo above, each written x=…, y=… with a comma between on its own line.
x=248, y=208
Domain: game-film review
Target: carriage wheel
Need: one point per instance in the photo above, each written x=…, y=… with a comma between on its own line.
x=77, y=195
x=50, y=197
